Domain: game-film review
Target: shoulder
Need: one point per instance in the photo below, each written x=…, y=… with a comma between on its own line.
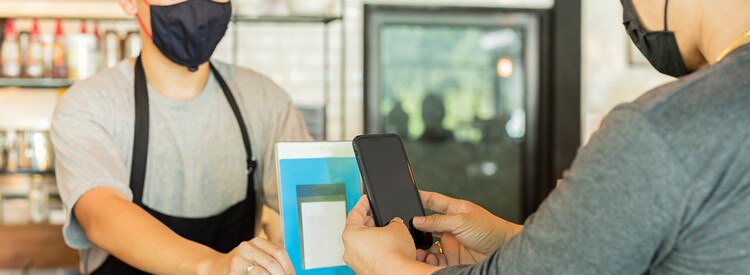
x=102, y=99
x=702, y=99
x=107, y=90
x=700, y=118
x=253, y=85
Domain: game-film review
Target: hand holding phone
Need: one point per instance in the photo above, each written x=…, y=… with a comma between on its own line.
x=389, y=182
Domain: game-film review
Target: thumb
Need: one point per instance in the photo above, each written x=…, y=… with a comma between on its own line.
x=438, y=223
x=395, y=223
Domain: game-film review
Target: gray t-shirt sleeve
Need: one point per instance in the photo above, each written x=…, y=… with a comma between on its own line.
x=620, y=200
x=287, y=125
x=86, y=157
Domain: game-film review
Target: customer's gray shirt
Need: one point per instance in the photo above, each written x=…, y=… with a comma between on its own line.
x=196, y=159
x=663, y=187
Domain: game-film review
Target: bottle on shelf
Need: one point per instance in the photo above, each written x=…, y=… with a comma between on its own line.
x=82, y=54
x=111, y=50
x=96, y=30
x=84, y=28
x=39, y=200
x=59, y=55
x=34, y=58
x=132, y=45
x=10, y=57
x=23, y=47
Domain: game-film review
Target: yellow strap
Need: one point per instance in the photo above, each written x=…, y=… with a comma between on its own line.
x=733, y=46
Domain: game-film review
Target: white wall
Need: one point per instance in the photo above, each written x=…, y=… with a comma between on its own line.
x=607, y=78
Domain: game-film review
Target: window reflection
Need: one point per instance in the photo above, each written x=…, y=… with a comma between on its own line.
x=456, y=96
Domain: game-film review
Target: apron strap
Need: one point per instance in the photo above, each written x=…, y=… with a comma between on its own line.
x=140, y=134
x=251, y=162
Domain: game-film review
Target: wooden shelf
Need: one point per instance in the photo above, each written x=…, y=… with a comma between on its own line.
x=40, y=83
x=37, y=245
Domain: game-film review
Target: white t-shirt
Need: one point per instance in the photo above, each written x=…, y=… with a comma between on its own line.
x=196, y=159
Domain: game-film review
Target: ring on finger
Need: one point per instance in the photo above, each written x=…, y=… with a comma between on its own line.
x=439, y=246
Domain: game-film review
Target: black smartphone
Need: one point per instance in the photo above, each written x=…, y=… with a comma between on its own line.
x=389, y=182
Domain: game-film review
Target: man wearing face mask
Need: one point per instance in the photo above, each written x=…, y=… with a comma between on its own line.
x=165, y=162
x=663, y=187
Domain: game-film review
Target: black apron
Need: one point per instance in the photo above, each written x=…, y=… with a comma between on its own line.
x=222, y=232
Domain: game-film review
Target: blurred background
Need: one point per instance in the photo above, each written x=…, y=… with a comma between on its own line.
x=493, y=97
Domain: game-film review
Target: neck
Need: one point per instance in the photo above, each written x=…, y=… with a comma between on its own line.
x=726, y=23
x=170, y=79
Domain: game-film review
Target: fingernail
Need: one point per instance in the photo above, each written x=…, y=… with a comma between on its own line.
x=418, y=220
x=396, y=219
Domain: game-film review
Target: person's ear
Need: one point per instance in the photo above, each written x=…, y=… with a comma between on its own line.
x=128, y=6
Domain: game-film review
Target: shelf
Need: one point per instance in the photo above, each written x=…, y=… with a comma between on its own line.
x=285, y=19
x=40, y=83
x=281, y=19
x=28, y=172
x=69, y=9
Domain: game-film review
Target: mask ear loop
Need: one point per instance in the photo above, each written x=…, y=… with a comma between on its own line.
x=666, y=4
x=140, y=22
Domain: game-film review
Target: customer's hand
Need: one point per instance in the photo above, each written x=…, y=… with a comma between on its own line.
x=379, y=250
x=449, y=252
x=473, y=226
x=262, y=255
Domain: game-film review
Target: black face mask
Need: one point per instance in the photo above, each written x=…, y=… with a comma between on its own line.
x=660, y=47
x=187, y=33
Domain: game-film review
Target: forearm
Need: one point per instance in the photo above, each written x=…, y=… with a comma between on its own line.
x=132, y=235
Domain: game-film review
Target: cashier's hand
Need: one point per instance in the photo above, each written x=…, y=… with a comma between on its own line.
x=377, y=250
x=268, y=257
x=474, y=228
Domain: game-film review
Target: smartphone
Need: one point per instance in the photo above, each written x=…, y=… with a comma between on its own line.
x=389, y=182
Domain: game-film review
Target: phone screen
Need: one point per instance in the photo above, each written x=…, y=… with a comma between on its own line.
x=390, y=183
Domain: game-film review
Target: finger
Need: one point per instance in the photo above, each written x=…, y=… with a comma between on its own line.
x=439, y=203
x=396, y=220
x=370, y=221
x=439, y=223
x=434, y=249
x=254, y=254
x=396, y=224
x=441, y=260
x=278, y=253
x=257, y=269
x=431, y=259
x=358, y=215
x=239, y=264
x=421, y=255
x=451, y=249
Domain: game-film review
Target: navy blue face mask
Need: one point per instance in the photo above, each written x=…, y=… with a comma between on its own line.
x=187, y=33
x=660, y=48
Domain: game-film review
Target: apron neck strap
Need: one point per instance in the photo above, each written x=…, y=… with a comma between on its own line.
x=141, y=133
